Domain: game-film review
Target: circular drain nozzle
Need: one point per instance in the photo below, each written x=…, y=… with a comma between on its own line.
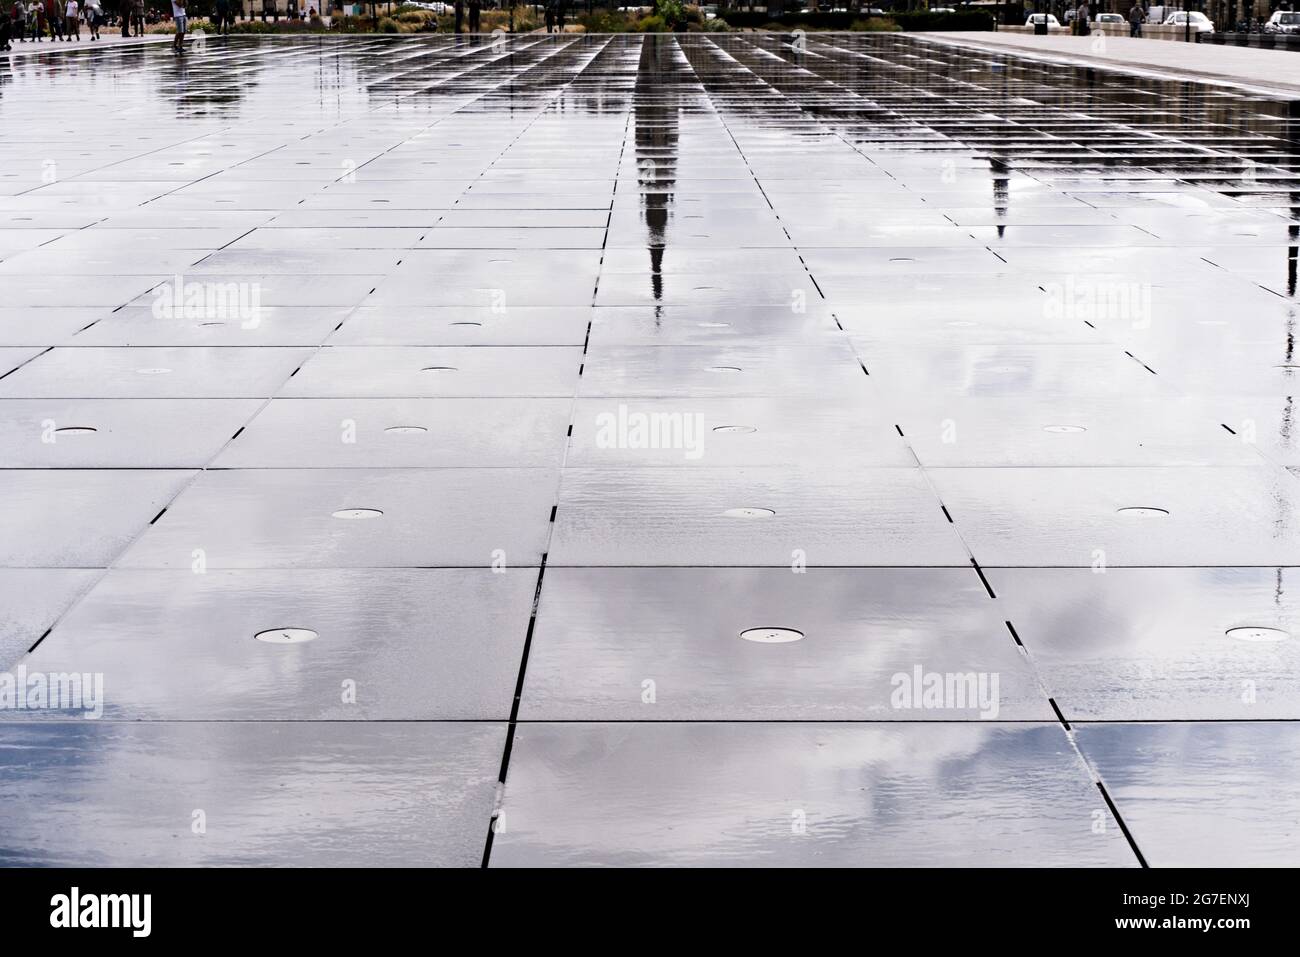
x=405, y=429
x=76, y=430
x=1258, y=634
x=748, y=511
x=734, y=428
x=287, y=636
x=357, y=513
x=724, y=368
x=439, y=369
x=1143, y=510
x=772, y=636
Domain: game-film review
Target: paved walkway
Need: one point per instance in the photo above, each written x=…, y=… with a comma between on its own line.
x=645, y=450
x=107, y=38
x=1276, y=72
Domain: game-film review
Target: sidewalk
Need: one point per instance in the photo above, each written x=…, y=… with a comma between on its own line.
x=107, y=37
x=1271, y=72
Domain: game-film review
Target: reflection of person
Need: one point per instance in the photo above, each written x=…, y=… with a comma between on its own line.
x=178, y=14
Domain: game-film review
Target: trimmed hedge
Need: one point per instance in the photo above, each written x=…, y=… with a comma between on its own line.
x=961, y=20
x=921, y=20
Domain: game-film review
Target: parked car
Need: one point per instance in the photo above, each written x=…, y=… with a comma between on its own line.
x=1283, y=21
x=1200, y=23
x=1116, y=18
x=1047, y=18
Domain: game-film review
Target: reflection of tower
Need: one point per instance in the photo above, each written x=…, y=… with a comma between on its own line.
x=655, y=114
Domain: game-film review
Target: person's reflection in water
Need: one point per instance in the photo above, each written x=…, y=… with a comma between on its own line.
x=655, y=109
x=1001, y=193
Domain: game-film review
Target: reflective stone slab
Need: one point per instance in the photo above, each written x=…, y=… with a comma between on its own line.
x=246, y=794
x=810, y=795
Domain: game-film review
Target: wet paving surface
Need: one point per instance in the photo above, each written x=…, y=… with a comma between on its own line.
x=645, y=450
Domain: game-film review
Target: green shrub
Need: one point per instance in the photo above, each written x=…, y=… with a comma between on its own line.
x=921, y=20
x=606, y=21
x=875, y=25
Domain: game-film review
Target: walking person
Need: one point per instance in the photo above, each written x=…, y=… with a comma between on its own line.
x=224, y=17
x=459, y=8
x=1081, y=19
x=36, y=21
x=19, y=17
x=54, y=18
x=5, y=29
x=178, y=15
x=475, y=7
x=137, y=17
x=550, y=16
x=1136, y=17
x=94, y=17
x=72, y=20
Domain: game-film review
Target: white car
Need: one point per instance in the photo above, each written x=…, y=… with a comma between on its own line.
x=1111, y=18
x=942, y=10
x=1047, y=18
x=1200, y=23
x=1283, y=21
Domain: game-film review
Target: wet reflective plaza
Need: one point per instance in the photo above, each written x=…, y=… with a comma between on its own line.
x=400, y=435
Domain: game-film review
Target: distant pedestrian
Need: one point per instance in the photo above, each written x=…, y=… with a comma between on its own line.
x=5, y=29
x=72, y=20
x=224, y=16
x=94, y=17
x=1136, y=17
x=54, y=17
x=18, y=17
x=459, y=8
x=550, y=16
x=1081, y=19
x=178, y=16
x=137, y=18
x=475, y=8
